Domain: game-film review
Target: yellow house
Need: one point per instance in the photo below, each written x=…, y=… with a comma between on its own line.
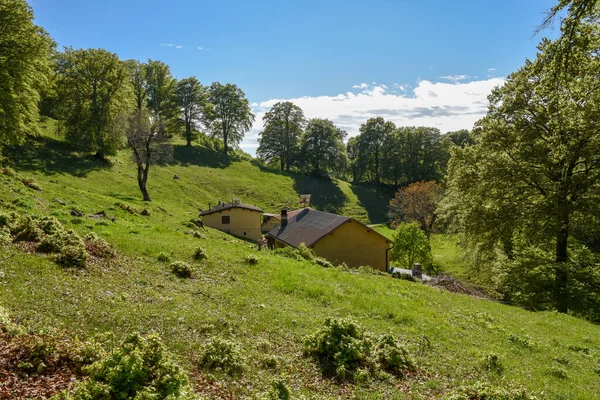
x=334, y=237
x=238, y=219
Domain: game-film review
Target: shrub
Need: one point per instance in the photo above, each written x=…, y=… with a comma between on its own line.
x=520, y=341
x=223, y=355
x=8, y=171
x=483, y=390
x=126, y=207
x=340, y=347
x=391, y=357
x=56, y=242
x=97, y=246
x=163, y=257
x=252, y=259
x=30, y=183
x=28, y=231
x=72, y=256
x=140, y=367
x=558, y=372
x=38, y=354
x=11, y=221
x=323, y=262
x=200, y=254
x=492, y=363
x=181, y=269
x=306, y=253
x=5, y=236
x=7, y=326
x=288, y=252
x=198, y=235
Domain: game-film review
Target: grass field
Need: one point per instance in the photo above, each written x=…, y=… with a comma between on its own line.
x=268, y=308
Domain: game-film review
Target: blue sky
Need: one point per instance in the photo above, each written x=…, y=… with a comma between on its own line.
x=414, y=62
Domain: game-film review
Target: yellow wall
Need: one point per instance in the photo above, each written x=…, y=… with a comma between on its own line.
x=270, y=224
x=241, y=220
x=353, y=244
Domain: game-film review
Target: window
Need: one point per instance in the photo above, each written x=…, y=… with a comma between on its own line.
x=225, y=219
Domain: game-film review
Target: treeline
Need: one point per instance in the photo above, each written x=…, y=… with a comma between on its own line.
x=381, y=153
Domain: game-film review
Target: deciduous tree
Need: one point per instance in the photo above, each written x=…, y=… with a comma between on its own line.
x=232, y=115
x=418, y=203
x=373, y=135
x=93, y=89
x=149, y=145
x=410, y=246
x=283, y=126
x=534, y=164
x=25, y=66
x=322, y=146
x=160, y=90
x=195, y=109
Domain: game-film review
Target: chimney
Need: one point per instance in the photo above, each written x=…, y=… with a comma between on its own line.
x=284, y=218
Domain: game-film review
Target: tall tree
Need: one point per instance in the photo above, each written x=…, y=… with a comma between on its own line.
x=417, y=202
x=160, y=89
x=283, y=126
x=322, y=146
x=410, y=246
x=25, y=67
x=373, y=135
x=139, y=83
x=93, y=88
x=149, y=145
x=423, y=156
x=535, y=164
x=192, y=100
x=232, y=115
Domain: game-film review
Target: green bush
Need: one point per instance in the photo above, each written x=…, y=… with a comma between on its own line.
x=98, y=247
x=38, y=354
x=5, y=236
x=55, y=242
x=558, y=372
x=391, y=357
x=11, y=221
x=288, y=252
x=340, y=347
x=323, y=262
x=182, y=269
x=28, y=231
x=252, y=259
x=30, y=183
x=485, y=391
x=222, y=355
x=344, y=351
x=72, y=256
x=306, y=253
x=164, y=257
x=139, y=368
x=50, y=225
x=200, y=254
x=492, y=362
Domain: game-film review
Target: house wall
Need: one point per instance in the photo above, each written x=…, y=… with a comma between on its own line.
x=353, y=244
x=269, y=224
x=241, y=221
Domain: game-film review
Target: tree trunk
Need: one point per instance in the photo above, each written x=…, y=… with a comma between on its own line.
x=142, y=179
x=281, y=163
x=562, y=238
x=225, y=143
x=377, y=167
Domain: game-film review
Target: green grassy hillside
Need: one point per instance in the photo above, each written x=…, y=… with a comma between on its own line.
x=268, y=307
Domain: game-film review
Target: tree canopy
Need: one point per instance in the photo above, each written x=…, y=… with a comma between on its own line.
x=25, y=67
x=283, y=126
x=232, y=115
x=93, y=89
x=195, y=109
x=534, y=164
x=322, y=147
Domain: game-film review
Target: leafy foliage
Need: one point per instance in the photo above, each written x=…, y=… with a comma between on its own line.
x=222, y=355
x=231, y=116
x=418, y=203
x=410, y=246
x=93, y=89
x=25, y=69
x=182, y=269
x=192, y=99
x=322, y=147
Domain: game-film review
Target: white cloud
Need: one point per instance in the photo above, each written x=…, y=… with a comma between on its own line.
x=454, y=78
x=448, y=106
x=491, y=71
x=201, y=48
x=177, y=46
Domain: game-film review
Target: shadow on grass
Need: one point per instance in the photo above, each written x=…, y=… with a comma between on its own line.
x=375, y=199
x=52, y=156
x=200, y=156
x=325, y=194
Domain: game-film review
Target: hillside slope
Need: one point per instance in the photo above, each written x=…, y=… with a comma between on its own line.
x=269, y=307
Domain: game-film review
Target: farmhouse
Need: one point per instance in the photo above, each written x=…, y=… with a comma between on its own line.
x=272, y=221
x=334, y=237
x=238, y=219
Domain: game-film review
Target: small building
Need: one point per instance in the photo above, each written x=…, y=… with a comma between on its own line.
x=238, y=219
x=334, y=237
